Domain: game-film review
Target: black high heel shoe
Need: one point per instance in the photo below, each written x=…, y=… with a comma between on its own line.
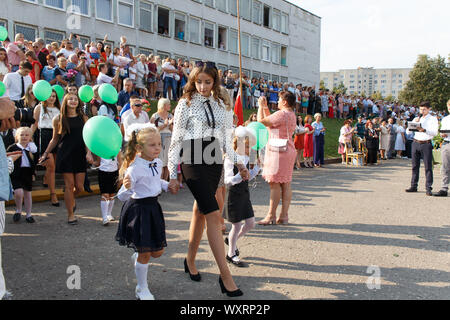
x=194, y=277
x=235, y=293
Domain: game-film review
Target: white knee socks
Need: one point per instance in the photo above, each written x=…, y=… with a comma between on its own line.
x=110, y=207
x=28, y=202
x=141, y=274
x=249, y=224
x=104, y=207
x=233, y=237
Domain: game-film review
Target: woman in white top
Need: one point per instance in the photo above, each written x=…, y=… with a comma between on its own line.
x=163, y=120
x=400, y=139
x=202, y=121
x=108, y=110
x=44, y=113
x=4, y=65
x=142, y=72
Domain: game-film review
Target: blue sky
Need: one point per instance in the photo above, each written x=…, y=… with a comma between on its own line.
x=380, y=33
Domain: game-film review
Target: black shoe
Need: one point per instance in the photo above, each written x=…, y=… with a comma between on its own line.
x=194, y=277
x=73, y=222
x=235, y=293
x=88, y=189
x=237, y=263
x=55, y=204
x=30, y=220
x=411, y=190
x=441, y=193
x=236, y=252
x=429, y=193
x=16, y=217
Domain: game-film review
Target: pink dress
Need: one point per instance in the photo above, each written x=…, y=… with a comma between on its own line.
x=278, y=166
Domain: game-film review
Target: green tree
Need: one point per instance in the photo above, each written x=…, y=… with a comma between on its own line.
x=390, y=98
x=322, y=85
x=428, y=81
x=376, y=96
x=340, y=89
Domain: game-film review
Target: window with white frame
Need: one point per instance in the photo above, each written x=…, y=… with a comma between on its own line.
x=54, y=36
x=103, y=9
x=84, y=40
x=284, y=79
x=208, y=32
x=146, y=17
x=209, y=3
x=245, y=43
x=256, y=45
x=275, y=53
x=266, y=51
x=246, y=72
x=126, y=12
x=222, y=38
x=266, y=16
x=194, y=30
x=276, y=20
x=163, y=55
x=275, y=78
x=28, y=32
x=245, y=9
x=284, y=23
x=233, y=41
x=163, y=21
x=55, y=3
x=221, y=5
x=256, y=13
x=232, y=7
x=4, y=24
x=256, y=74
x=180, y=26
x=81, y=6
x=266, y=76
x=235, y=70
x=145, y=51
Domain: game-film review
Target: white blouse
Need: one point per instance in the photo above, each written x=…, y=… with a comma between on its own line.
x=46, y=118
x=230, y=178
x=145, y=180
x=191, y=122
x=108, y=165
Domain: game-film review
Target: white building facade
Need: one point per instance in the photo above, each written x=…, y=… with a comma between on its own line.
x=368, y=80
x=280, y=41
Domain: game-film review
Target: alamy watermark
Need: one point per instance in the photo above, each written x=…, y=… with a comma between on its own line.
x=74, y=280
x=374, y=281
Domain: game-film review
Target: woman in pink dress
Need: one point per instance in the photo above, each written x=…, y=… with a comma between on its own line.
x=278, y=166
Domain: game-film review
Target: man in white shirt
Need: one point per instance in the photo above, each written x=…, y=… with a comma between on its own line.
x=445, y=155
x=422, y=147
x=16, y=83
x=169, y=80
x=134, y=115
x=103, y=78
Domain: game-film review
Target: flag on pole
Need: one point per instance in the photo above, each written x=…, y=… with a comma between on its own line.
x=238, y=110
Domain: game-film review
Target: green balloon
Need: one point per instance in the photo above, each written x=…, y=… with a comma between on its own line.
x=108, y=93
x=42, y=90
x=59, y=91
x=86, y=93
x=261, y=133
x=3, y=33
x=2, y=89
x=102, y=136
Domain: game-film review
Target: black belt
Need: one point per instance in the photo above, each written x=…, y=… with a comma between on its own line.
x=422, y=142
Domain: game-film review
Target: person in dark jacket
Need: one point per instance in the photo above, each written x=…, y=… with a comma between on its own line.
x=372, y=143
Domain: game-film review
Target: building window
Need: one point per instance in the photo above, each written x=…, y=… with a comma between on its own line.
x=266, y=51
x=266, y=76
x=400, y=76
x=256, y=14
x=222, y=67
x=163, y=55
x=103, y=9
x=266, y=17
x=256, y=74
x=54, y=36
x=221, y=5
x=284, y=23
x=146, y=17
x=275, y=53
x=275, y=78
x=209, y=3
x=246, y=72
x=81, y=6
x=180, y=26
x=194, y=30
x=209, y=34
x=283, y=56
x=55, y=3
x=235, y=70
x=245, y=8
x=276, y=21
x=222, y=38
x=126, y=12
x=145, y=51
x=256, y=45
x=28, y=32
x=245, y=43
x=232, y=7
x=233, y=45
x=84, y=40
x=4, y=24
x=284, y=79
x=163, y=22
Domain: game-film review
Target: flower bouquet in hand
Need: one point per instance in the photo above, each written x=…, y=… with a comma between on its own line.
x=71, y=74
x=146, y=105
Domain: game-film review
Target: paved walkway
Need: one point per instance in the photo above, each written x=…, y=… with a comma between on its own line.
x=344, y=223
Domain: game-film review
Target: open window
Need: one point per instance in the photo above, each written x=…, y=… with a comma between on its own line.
x=163, y=22
x=209, y=35
x=283, y=56
x=266, y=17
x=180, y=26
x=222, y=38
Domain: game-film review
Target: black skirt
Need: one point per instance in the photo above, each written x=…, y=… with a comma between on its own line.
x=46, y=136
x=108, y=181
x=237, y=202
x=23, y=179
x=142, y=226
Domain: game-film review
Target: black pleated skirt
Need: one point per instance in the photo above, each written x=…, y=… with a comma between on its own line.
x=142, y=226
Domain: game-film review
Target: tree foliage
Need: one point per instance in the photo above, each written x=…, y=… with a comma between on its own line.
x=340, y=89
x=322, y=85
x=428, y=81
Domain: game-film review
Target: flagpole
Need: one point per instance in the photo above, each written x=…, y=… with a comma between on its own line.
x=240, y=52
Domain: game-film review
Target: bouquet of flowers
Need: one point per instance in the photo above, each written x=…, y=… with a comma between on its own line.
x=71, y=74
x=146, y=105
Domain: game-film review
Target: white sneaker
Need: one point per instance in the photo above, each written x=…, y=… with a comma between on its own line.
x=144, y=294
x=105, y=222
x=110, y=218
x=134, y=258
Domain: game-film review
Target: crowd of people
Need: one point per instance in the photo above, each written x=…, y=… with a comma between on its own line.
x=48, y=134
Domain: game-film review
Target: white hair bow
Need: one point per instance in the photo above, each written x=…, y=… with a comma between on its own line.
x=136, y=127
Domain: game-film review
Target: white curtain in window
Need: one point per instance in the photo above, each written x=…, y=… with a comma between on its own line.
x=146, y=16
x=245, y=42
x=55, y=3
x=194, y=27
x=233, y=41
x=103, y=9
x=126, y=12
x=257, y=12
x=221, y=5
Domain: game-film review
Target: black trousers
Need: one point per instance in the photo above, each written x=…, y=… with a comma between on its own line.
x=372, y=155
x=422, y=151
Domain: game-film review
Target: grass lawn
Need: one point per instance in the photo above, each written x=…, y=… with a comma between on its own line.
x=333, y=127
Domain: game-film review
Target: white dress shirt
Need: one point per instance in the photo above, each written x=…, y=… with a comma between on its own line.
x=108, y=165
x=445, y=125
x=30, y=147
x=103, y=78
x=13, y=84
x=129, y=118
x=430, y=124
x=145, y=180
x=230, y=178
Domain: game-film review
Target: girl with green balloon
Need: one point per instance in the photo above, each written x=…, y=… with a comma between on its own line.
x=72, y=155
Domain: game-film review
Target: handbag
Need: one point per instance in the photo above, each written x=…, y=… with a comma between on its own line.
x=279, y=145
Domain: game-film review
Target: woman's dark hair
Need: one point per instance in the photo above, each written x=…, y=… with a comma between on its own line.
x=57, y=104
x=63, y=126
x=298, y=122
x=6, y=56
x=289, y=97
x=112, y=107
x=103, y=46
